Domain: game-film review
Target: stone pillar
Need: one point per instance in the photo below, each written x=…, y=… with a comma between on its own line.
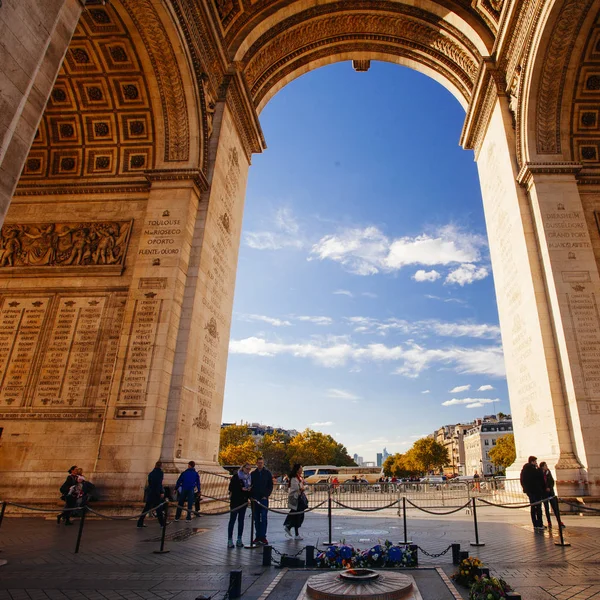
x=135, y=420
x=573, y=293
x=541, y=415
x=196, y=395
x=35, y=36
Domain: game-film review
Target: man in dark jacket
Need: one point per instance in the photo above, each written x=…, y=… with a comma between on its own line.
x=70, y=501
x=532, y=482
x=155, y=495
x=262, y=487
x=187, y=484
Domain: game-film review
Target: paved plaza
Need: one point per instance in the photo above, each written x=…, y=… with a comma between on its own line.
x=116, y=560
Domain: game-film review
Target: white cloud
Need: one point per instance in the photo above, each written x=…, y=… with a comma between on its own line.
x=368, y=251
x=456, y=300
x=323, y=424
x=422, y=275
x=426, y=392
x=470, y=402
x=341, y=394
x=316, y=320
x=465, y=274
x=460, y=388
x=413, y=359
x=344, y=293
x=424, y=328
x=369, y=294
x=485, y=388
x=285, y=233
x=270, y=320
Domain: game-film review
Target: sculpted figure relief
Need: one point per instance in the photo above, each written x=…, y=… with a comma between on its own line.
x=64, y=244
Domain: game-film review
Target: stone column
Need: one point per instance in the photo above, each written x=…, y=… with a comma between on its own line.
x=541, y=416
x=135, y=420
x=35, y=36
x=573, y=293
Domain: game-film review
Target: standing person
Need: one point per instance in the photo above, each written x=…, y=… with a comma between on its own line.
x=296, y=502
x=532, y=482
x=476, y=484
x=70, y=501
x=262, y=487
x=187, y=483
x=240, y=486
x=549, y=493
x=154, y=496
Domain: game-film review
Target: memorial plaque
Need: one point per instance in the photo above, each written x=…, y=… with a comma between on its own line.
x=21, y=322
x=138, y=361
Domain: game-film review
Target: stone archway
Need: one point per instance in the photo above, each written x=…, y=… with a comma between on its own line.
x=525, y=73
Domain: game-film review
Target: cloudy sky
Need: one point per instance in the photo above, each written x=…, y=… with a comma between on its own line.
x=364, y=303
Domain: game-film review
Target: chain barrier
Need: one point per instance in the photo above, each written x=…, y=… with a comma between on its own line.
x=287, y=512
x=522, y=505
x=364, y=509
x=435, y=555
x=430, y=512
x=124, y=518
x=580, y=506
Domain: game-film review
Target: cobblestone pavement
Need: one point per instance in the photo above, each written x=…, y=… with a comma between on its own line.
x=117, y=561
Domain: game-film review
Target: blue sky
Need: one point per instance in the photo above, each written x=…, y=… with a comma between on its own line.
x=364, y=303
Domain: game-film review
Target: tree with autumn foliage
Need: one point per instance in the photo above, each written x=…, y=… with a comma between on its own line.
x=237, y=446
x=274, y=449
x=430, y=455
x=504, y=453
x=315, y=448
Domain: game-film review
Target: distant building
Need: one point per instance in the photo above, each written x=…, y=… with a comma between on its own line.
x=358, y=460
x=480, y=439
x=385, y=454
x=379, y=459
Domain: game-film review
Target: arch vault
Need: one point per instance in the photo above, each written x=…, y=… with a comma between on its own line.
x=127, y=135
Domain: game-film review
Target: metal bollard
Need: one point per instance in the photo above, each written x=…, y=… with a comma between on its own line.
x=235, y=583
x=329, y=518
x=405, y=541
x=464, y=554
x=80, y=532
x=455, y=554
x=252, y=544
x=415, y=552
x=162, y=535
x=267, y=556
x=476, y=542
x=560, y=529
x=310, y=556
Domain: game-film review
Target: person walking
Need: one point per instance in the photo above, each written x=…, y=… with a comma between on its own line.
x=187, y=483
x=70, y=501
x=296, y=502
x=549, y=493
x=240, y=486
x=262, y=487
x=532, y=482
x=155, y=495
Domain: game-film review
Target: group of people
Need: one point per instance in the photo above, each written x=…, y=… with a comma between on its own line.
x=75, y=492
x=537, y=482
x=257, y=486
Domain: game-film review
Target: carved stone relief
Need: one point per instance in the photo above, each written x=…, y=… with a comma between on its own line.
x=101, y=243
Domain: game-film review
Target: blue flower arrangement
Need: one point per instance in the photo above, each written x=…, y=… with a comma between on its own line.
x=387, y=555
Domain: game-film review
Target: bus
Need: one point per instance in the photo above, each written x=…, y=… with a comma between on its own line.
x=325, y=473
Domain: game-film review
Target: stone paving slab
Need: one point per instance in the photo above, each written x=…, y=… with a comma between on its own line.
x=116, y=560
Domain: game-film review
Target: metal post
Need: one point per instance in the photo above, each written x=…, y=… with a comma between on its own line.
x=405, y=541
x=310, y=556
x=2, y=510
x=251, y=544
x=235, y=583
x=560, y=529
x=162, y=536
x=476, y=542
x=80, y=532
x=267, y=556
x=329, y=518
x=455, y=554
x=415, y=553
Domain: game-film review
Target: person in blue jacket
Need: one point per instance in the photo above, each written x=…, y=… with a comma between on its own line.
x=187, y=484
x=262, y=487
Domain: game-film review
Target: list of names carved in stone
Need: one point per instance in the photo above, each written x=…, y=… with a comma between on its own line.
x=21, y=321
x=136, y=371
x=69, y=357
x=583, y=309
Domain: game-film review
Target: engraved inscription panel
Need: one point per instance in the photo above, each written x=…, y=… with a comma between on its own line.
x=20, y=330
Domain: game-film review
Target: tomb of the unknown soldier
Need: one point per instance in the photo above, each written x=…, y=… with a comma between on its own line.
x=128, y=129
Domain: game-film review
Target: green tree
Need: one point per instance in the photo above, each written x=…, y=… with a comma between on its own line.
x=429, y=454
x=273, y=447
x=316, y=448
x=238, y=454
x=504, y=454
x=234, y=434
x=341, y=458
